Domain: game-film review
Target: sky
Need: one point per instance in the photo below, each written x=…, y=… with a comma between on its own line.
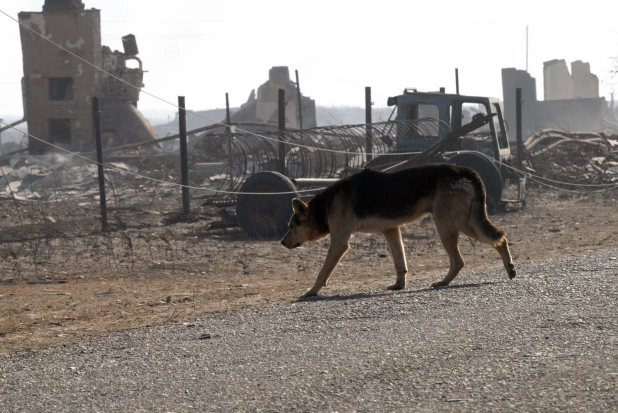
x=203, y=49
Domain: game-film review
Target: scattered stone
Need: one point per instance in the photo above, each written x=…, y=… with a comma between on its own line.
x=205, y=336
x=105, y=294
x=46, y=282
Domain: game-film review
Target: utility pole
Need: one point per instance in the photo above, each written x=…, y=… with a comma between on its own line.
x=526, y=47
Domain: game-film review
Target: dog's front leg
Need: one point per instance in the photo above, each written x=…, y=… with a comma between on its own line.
x=337, y=249
x=393, y=237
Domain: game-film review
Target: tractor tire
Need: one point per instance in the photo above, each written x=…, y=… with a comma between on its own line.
x=266, y=216
x=489, y=172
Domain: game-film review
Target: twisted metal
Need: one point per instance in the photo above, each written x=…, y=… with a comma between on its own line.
x=323, y=152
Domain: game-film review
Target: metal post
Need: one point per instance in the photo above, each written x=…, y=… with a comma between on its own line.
x=526, y=47
x=457, y=80
x=281, y=105
x=97, y=138
x=368, y=122
x=184, y=157
x=230, y=155
x=300, y=105
x=518, y=128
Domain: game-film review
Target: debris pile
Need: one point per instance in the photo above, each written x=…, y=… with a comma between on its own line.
x=55, y=178
x=575, y=157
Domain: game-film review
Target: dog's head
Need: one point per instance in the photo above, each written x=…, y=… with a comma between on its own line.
x=301, y=226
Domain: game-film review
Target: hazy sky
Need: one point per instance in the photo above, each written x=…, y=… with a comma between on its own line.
x=202, y=49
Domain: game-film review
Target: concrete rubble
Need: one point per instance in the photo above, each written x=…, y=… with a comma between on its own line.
x=48, y=178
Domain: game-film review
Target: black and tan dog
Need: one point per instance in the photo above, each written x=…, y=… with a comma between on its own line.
x=371, y=201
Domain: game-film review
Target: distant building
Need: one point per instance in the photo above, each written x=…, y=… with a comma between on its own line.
x=571, y=102
x=59, y=87
x=264, y=107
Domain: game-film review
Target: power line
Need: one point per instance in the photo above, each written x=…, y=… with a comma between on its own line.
x=188, y=110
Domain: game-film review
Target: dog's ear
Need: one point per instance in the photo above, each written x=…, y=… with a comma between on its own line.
x=300, y=208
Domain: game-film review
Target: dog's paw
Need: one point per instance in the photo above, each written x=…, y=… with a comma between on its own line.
x=439, y=284
x=309, y=293
x=511, y=271
x=396, y=287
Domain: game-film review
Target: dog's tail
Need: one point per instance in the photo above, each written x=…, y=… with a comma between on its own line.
x=479, y=221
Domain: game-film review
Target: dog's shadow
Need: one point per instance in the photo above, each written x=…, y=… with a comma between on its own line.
x=360, y=296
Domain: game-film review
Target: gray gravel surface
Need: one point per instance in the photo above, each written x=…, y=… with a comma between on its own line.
x=546, y=341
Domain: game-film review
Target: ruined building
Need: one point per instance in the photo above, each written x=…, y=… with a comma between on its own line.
x=58, y=87
x=264, y=107
x=560, y=84
x=571, y=101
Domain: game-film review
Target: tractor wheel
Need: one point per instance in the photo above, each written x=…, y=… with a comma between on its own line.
x=489, y=172
x=266, y=216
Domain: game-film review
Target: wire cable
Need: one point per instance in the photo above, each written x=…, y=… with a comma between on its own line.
x=530, y=175
x=109, y=166
x=187, y=110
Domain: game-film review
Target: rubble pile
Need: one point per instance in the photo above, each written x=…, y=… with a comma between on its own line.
x=574, y=157
x=49, y=178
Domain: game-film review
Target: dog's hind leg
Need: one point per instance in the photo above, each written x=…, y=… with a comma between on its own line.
x=338, y=247
x=449, y=236
x=503, y=249
x=393, y=237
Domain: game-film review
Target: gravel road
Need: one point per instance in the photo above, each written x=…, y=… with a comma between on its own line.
x=546, y=341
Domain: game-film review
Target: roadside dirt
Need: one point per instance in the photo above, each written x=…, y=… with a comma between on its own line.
x=65, y=281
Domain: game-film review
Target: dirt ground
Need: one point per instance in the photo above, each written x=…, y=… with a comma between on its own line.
x=66, y=281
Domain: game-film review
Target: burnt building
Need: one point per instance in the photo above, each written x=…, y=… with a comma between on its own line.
x=264, y=107
x=571, y=101
x=59, y=83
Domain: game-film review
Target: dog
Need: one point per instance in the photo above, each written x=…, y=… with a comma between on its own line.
x=371, y=202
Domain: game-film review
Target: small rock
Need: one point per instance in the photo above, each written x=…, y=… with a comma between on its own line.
x=106, y=293
x=205, y=335
x=50, y=219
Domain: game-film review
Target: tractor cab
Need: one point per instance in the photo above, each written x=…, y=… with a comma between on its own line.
x=456, y=111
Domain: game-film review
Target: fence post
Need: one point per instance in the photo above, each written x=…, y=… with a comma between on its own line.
x=97, y=138
x=281, y=105
x=300, y=105
x=518, y=131
x=368, y=122
x=184, y=161
x=228, y=129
